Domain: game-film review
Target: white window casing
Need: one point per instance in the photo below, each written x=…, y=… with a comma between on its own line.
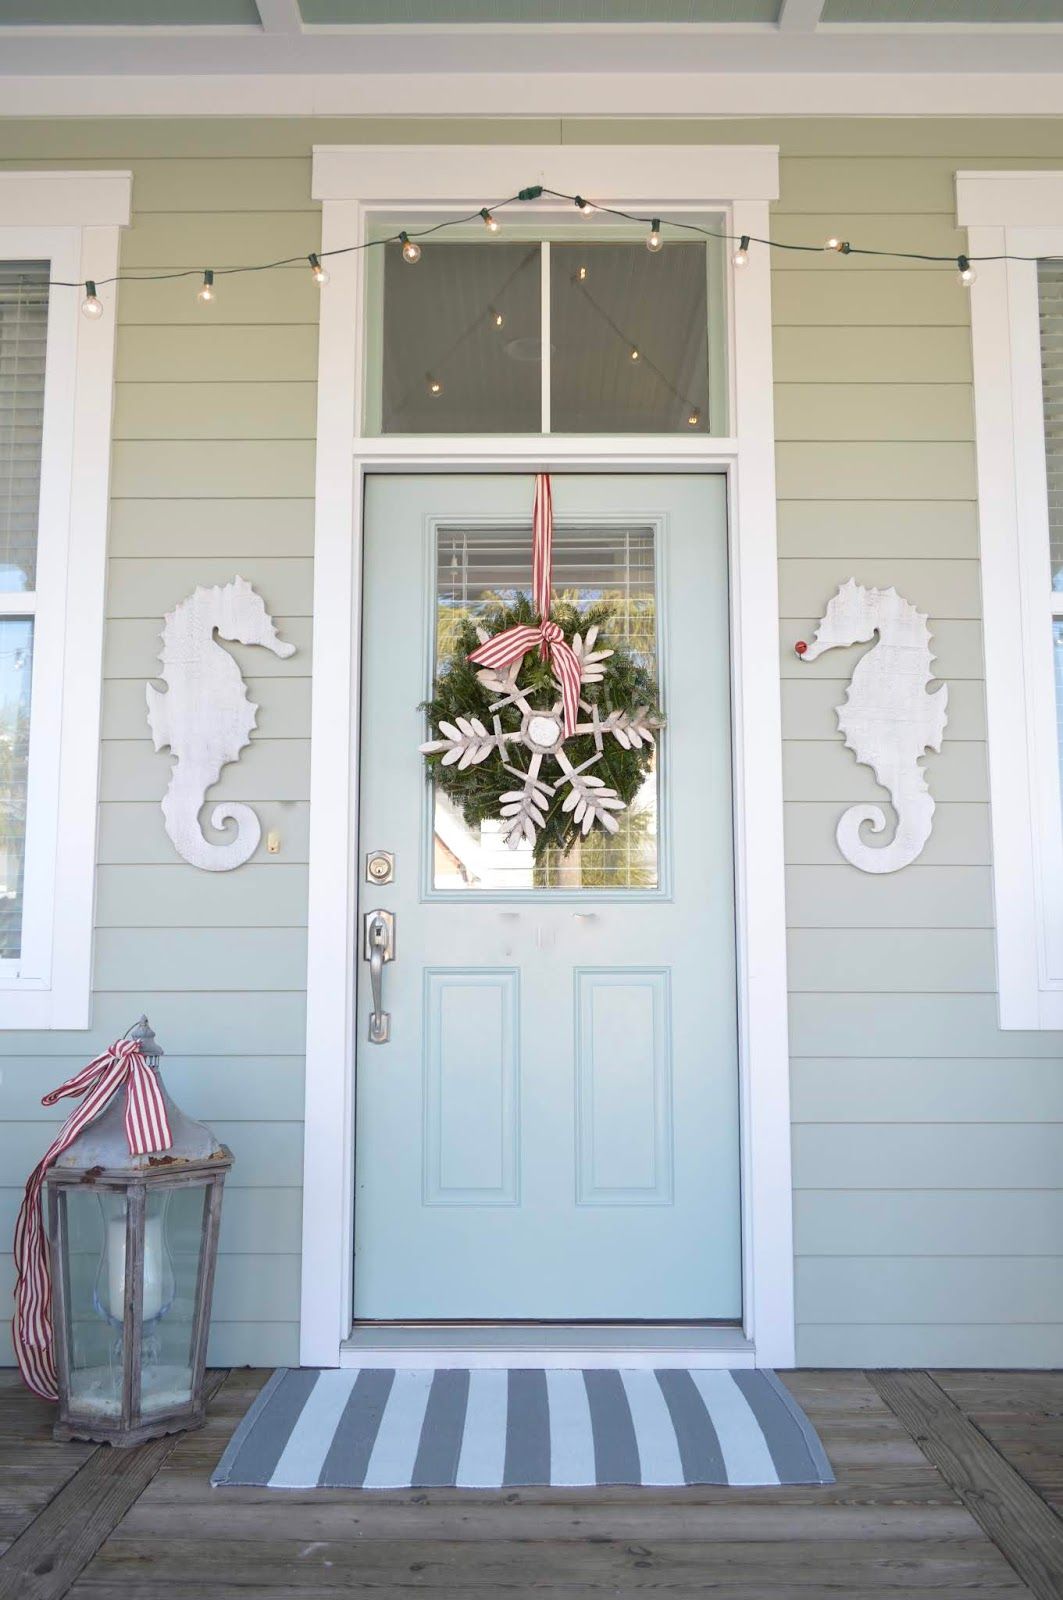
x=1018, y=214
x=70, y=220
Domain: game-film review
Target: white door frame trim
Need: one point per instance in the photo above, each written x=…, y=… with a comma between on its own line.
x=357, y=185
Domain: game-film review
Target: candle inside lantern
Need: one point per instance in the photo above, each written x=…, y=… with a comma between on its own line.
x=153, y=1268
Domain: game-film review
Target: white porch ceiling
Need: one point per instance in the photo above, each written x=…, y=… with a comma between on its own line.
x=112, y=38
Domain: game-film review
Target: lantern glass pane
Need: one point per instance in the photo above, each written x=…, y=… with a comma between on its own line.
x=173, y=1244
x=95, y=1250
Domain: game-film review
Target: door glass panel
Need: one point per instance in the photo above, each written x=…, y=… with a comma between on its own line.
x=629, y=331
x=479, y=568
x=461, y=339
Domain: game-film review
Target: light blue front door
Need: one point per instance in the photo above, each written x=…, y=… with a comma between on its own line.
x=551, y=1130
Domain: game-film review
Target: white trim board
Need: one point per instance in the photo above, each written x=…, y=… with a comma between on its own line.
x=648, y=173
x=708, y=95
x=639, y=1345
x=1020, y=213
x=71, y=219
x=51, y=199
x=695, y=178
x=515, y=49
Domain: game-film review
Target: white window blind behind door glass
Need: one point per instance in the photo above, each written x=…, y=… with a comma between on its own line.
x=23, y=339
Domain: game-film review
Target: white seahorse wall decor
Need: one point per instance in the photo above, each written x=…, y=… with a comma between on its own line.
x=205, y=715
x=889, y=717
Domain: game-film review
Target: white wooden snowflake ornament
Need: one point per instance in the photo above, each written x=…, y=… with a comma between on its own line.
x=467, y=742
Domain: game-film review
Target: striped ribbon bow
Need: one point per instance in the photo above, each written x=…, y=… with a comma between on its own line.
x=147, y=1129
x=510, y=646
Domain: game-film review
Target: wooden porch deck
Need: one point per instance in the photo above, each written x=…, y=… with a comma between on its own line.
x=949, y=1484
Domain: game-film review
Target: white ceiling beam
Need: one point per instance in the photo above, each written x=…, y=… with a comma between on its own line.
x=280, y=16
x=800, y=16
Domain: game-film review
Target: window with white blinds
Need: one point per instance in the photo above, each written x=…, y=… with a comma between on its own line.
x=1050, y=301
x=23, y=342
x=1014, y=224
x=57, y=230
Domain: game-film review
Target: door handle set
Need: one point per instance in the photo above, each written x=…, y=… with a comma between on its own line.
x=379, y=948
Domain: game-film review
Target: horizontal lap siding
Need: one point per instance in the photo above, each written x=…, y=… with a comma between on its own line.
x=212, y=475
x=927, y=1144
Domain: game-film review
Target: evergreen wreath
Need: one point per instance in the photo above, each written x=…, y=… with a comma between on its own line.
x=497, y=727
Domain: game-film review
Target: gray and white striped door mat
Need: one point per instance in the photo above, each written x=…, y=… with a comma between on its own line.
x=387, y=1428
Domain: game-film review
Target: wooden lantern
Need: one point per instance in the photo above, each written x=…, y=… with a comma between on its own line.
x=133, y=1242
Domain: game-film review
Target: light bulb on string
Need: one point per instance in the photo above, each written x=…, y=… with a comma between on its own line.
x=693, y=417
x=317, y=271
x=92, y=305
x=411, y=250
x=206, y=295
x=581, y=274
x=967, y=272
x=491, y=223
x=496, y=317
x=653, y=238
x=741, y=255
x=434, y=385
x=635, y=352
x=583, y=205
x=838, y=246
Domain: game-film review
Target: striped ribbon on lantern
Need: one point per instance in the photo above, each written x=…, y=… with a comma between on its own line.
x=510, y=646
x=147, y=1130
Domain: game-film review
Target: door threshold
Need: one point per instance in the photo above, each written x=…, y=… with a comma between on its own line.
x=537, y=1344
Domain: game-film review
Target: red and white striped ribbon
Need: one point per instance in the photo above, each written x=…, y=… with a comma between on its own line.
x=542, y=545
x=147, y=1129
x=510, y=646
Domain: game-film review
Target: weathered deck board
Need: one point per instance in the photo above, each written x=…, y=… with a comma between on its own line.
x=33, y=1466
x=1021, y=1414
x=609, y=1567
x=54, y=1547
x=889, y=1526
x=145, y=1525
x=1014, y=1516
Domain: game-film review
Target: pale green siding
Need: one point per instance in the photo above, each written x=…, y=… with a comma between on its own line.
x=928, y=1145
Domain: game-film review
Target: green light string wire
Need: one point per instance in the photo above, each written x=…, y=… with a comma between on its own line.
x=535, y=192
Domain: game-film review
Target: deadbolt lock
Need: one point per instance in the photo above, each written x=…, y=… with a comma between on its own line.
x=379, y=866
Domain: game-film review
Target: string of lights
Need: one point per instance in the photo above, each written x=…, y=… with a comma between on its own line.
x=409, y=241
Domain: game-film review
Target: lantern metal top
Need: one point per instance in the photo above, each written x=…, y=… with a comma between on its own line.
x=103, y=1143
x=144, y=1034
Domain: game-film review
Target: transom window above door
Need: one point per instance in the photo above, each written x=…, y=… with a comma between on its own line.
x=595, y=335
